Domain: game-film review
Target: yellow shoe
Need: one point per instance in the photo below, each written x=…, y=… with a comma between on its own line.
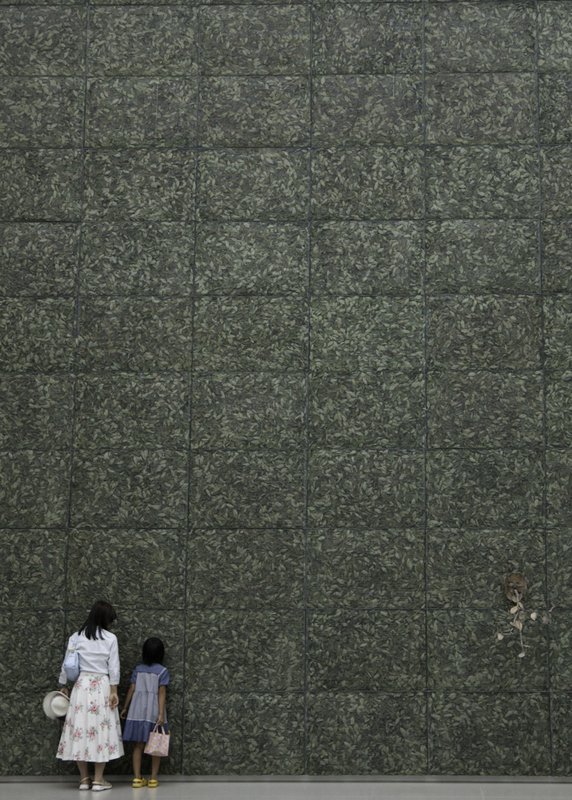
x=139, y=783
x=153, y=783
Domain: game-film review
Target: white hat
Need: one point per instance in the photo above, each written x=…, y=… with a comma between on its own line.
x=56, y=705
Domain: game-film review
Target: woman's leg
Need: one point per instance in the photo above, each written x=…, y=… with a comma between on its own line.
x=99, y=767
x=155, y=764
x=137, y=755
x=83, y=770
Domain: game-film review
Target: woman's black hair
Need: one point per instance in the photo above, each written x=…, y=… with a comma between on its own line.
x=101, y=617
x=153, y=651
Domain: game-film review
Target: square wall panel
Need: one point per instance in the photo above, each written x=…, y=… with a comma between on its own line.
x=255, y=40
x=136, y=258
x=147, y=410
x=32, y=646
x=365, y=488
x=134, y=335
x=35, y=411
x=92, y=571
x=39, y=185
x=34, y=488
x=482, y=255
x=263, y=410
x=365, y=568
x=38, y=259
x=495, y=488
x=244, y=734
x=251, y=258
x=485, y=331
x=351, y=650
x=243, y=334
x=367, y=110
x=555, y=36
x=367, y=258
x=483, y=181
x=31, y=573
x=562, y=732
x=244, y=650
x=246, y=568
x=255, y=110
x=367, y=183
x=556, y=175
x=481, y=36
x=41, y=112
x=367, y=38
x=153, y=185
x=368, y=408
x=559, y=488
x=491, y=108
x=130, y=487
x=247, y=488
x=485, y=409
x=139, y=40
x=489, y=734
x=355, y=733
x=42, y=41
x=559, y=558
x=558, y=331
x=259, y=184
x=131, y=112
x=354, y=333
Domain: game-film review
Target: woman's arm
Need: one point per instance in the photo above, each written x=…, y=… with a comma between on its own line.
x=113, y=668
x=63, y=679
x=162, y=703
x=127, y=701
x=113, y=696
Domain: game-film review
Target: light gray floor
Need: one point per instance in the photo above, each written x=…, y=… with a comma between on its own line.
x=343, y=790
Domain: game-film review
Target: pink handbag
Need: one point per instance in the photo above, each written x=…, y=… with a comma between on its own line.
x=158, y=742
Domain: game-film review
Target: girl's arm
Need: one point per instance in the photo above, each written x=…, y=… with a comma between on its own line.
x=127, y=700
x=162, y=702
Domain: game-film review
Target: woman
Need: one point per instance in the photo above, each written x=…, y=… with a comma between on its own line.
x=92, y=730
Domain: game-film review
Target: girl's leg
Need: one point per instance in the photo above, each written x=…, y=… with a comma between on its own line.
x=155, y=764
x=137, y=755
x=99, y=767
x=83, y=770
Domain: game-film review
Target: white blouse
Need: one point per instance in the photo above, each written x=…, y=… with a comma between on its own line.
x=97, y=655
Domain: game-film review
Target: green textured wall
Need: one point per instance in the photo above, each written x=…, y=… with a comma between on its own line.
x=286, y=373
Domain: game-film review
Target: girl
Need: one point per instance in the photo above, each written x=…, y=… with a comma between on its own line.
x=92, y=731
x=146, y=701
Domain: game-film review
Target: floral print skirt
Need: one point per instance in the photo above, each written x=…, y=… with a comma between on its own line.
x=92, y=731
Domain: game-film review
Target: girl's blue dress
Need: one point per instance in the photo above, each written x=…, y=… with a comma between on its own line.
x=144, y=707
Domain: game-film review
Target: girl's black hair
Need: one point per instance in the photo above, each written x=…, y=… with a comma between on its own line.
x=101, y=617
x=153, y=651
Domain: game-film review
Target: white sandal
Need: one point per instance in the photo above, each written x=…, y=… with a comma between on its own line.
x=85, y=784
x=100, y=786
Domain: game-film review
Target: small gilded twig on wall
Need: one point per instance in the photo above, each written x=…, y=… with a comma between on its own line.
x=515, y=587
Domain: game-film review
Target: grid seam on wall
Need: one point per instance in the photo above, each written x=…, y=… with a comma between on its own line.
x=187, y=697
x=543, y=370
x=76, y=329
x=308, y=301
x=425, y=385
